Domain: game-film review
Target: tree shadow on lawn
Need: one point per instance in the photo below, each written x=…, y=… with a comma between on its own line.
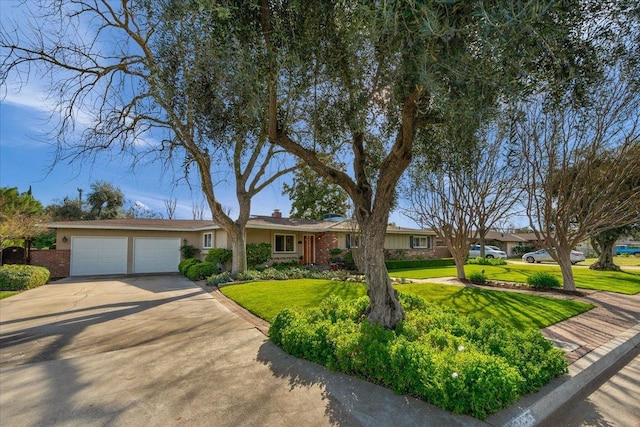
x=522, y=311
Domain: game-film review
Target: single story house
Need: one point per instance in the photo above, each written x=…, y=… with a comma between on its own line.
x=133, y=246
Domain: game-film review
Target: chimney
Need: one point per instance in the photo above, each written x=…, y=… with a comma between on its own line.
x=276, y=213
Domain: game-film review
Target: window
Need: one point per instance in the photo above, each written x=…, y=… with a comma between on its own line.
x=353, y=241
x=285, y=243
x=420, y=242
x=207, y=240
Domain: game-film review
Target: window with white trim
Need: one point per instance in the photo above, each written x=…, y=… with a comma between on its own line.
x=420, y=242
x=352, y=241
x=207, y=240
x=284, y=243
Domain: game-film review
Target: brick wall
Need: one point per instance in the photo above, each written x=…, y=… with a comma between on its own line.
x=58, y=261
x=324, y=242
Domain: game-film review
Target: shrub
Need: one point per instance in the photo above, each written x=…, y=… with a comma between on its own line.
x=487, y=261
x=185, y=264
x=189, y=251
x=349, y=263
x=201, y=270
x=219, y=256
x=258, y=253
x=459, y=363
x=478, y=277
x=420, y=263
x=543, y=280
x=18, y=277
x=218, y=279
x=335, y=251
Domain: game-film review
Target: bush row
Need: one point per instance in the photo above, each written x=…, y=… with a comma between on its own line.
x=487, y=261
x=18, y=277
x=421, y=263
x=459, y=363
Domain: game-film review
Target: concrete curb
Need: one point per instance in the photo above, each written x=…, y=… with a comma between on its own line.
x=535, y=408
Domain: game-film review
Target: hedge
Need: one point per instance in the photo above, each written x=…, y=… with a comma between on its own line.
x=17, y=277
x=201, y=271
x=420, y=263
x=457, y=362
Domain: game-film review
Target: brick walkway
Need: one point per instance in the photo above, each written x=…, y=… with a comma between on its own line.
x=614, y=314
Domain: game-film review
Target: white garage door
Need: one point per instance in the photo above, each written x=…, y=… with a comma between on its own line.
x=156, y=255
x=98, y=255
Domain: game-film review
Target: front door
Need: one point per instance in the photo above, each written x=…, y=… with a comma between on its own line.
x=309, y=251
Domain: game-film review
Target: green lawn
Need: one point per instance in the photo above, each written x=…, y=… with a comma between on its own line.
x=626, y=282
x=6, y=294
x=622, y=261
x=266, y=299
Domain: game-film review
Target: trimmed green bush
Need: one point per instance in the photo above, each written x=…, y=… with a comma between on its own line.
x=18, y=277
x=258, y=253
x=486, y=261
x=459, y=363
x=543, y=280
x=219, y=256
x=201, y=270
x=189, y=251
x=218, y=279
x=478, y=277
x=185, y=264
x=419, y=263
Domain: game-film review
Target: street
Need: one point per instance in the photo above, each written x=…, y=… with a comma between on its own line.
x=612, y=399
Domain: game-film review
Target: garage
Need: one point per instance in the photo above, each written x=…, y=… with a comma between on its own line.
x=98, y=255
x=156, y=255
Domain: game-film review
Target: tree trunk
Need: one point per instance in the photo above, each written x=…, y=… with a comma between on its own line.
x=604, y=249
x=239, y=248
x=564, y=260
x=384, y=307
x=483, y=253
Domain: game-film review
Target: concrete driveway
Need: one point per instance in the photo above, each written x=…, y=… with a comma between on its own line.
x=159, y=351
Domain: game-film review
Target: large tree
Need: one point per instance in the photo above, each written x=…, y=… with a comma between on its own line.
x=463, y=193
x=312, y=197
x=368, y=82
x=570, y=196
x=160, y=79
x=21, y=217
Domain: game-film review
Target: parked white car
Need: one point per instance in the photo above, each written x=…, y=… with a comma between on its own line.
x=544, y=255
x=489, y=252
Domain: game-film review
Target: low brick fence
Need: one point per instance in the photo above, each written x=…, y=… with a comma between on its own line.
x=58, y=261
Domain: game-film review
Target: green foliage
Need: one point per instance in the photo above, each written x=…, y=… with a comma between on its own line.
x=219, y=256
x=312, y=196
x=521, y=250
x=349, y=263
x=186, y=263
x=201, y=270
x=217, y=279
x=423, y=263
x=21, y=277
x=335, y=251
x=486, y=261
x=395, y=254
x=478, y=277
x=543, y=280
x=459, y=363
x=189, y=251
x=44, y=240
x=104, y=200
x=258, y=253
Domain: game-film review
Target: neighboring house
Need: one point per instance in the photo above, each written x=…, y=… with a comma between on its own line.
x=509, y=241
x=133, y=246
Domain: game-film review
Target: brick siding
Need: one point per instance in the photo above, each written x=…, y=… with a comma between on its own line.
x=325, y=242
x=58, y=261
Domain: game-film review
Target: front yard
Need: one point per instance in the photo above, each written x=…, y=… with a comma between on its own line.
x=625, y=282
x=521, y=311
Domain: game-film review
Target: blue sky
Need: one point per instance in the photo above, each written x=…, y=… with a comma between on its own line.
x=27, y=150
